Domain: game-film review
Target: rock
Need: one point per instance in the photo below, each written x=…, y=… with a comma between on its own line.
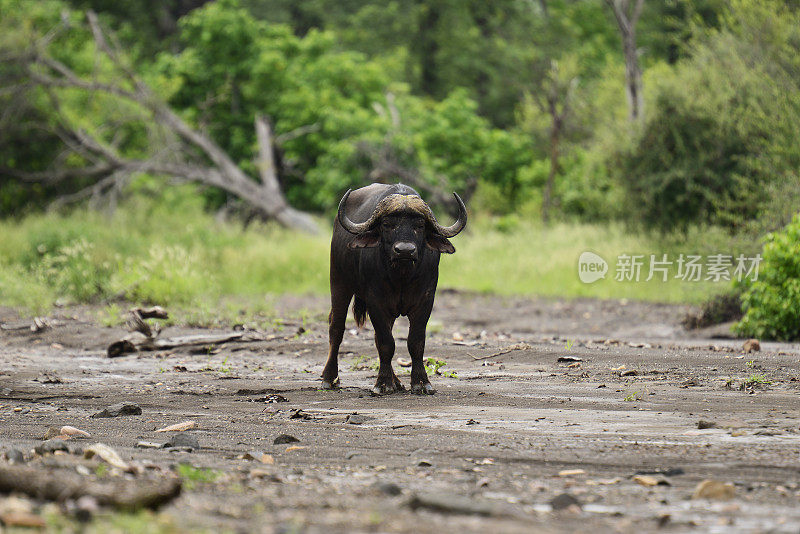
x=73, y=432
x=50, y=446
x=52, y=432
x=751, y=345
x=388, y=488
x=424, y=463
x=702, y=425
x=645, y=480
x=108, y=455
x=121, y=348
x=179, y=427
x=569, y=359
x=571, y=472
x=285, y=438
x=291, y=448
x=262, y=457
x=714, y=490
x=85, y=507
x=183, y=439
x=149, y=445
x=119, y=409
x=356, y=419
x=457, y=336
x=630, y=372
x=564, y=500
x=352, y=454
x=15, y=456
x=452, y=504
x=402, y=362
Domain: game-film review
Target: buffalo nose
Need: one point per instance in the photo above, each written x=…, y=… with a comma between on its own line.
x=405, y=249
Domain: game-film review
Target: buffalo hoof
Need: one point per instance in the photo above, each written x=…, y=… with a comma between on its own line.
x=330, y=384
x=387, y=386
x=422, y=388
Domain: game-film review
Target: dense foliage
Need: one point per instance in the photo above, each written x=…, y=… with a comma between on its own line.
x=772, y=303
x=445, y=95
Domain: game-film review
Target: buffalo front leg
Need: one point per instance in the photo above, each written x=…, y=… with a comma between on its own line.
x=384, y=341
x=340, y=302
x=418, y=323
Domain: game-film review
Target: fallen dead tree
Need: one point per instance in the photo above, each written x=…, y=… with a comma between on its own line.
x=144, y=336
x=177, y=149
x=61, y=485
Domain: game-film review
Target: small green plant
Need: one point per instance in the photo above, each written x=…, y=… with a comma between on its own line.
x=755, y=380
x=101, y=470
x=359, y=363
x=750, y=364
x=434, y=366
x=192, y=475
x=111, y=315
x=635, y=396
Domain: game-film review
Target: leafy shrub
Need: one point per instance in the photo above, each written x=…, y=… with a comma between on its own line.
x=772, y=303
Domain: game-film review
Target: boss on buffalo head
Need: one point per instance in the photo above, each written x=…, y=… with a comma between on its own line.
x=403, y=226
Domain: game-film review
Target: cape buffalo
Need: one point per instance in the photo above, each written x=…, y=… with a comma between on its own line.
x=388, y=260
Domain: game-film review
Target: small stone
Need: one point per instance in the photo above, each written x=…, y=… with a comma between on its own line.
x=119, y=409
x=52, y=432
x=352, y=454
x=751, y=345
x=108, y=455
x=183, y=439
x=457, y=336
x=50, y=446
x=388, y=488
x=356, y=419
x=179, y=427
x=564, y=500
x=630, y=372
x=714, y=490
x=15, y=456
x=424, y=463
x=571, y=472
x=702, y=424
x=85, y=507
x=646, y=480
x=285, y=438
x=291, y=448
x=148, y=445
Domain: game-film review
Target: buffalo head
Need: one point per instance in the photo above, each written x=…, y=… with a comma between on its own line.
x=403, y=226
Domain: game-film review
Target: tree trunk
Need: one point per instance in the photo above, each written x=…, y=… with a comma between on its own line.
x=626, y=21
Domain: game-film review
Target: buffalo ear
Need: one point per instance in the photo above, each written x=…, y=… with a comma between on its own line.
x=440, y=243
x=365, y=240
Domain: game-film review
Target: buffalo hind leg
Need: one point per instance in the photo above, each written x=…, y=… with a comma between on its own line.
x=340, y=302
x=418, y=322
x=387, y=381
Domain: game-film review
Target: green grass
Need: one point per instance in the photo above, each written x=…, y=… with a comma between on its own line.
x=176, y=255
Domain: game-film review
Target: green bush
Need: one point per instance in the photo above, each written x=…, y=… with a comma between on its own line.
x=772, y=303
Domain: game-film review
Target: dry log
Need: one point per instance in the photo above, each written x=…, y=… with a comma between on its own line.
x=60, y=485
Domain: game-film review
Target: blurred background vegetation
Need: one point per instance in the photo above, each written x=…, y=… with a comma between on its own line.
x=560, y=136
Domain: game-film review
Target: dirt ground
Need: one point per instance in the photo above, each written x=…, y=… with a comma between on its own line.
x=488, y=453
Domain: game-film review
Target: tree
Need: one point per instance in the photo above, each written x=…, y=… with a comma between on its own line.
x=94, y=154
x=627, y=16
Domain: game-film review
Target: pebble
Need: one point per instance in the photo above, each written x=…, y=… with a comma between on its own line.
x=714, y=490
x=183, y=439
x=285, y=438
x=356, y=419
x=149, y=445
x=702, y=424
x=15, y=456
x=50, y=446
x=179, y=427
x=108, y=455
x=751, y=345
x=564, y=500
x=389, y=488
x=424, y=463
x=352, y=454
x=119, y=409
